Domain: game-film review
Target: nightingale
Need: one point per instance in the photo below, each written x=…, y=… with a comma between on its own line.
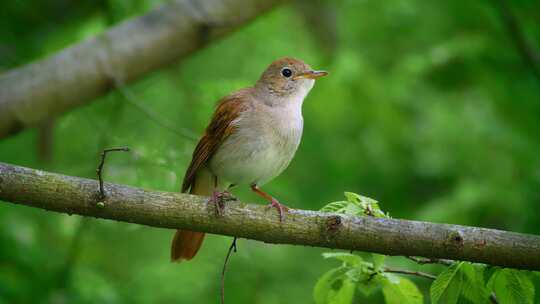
x=251, y=138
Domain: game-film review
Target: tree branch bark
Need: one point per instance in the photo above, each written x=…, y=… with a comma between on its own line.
x=74, y=76
x=73, y=195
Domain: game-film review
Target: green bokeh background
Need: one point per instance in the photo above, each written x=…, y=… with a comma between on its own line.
x=429, y=109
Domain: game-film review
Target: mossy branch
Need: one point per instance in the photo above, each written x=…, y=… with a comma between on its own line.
x=74, y=195
x=76, y=75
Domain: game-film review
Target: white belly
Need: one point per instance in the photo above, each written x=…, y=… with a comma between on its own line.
x=260, y=149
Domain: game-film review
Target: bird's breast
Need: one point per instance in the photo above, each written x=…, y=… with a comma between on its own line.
x=262, y=146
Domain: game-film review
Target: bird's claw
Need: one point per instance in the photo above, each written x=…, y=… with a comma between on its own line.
x=219, y=198
x=280, y=208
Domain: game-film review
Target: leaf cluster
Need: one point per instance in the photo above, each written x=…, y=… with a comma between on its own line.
x=460, y=282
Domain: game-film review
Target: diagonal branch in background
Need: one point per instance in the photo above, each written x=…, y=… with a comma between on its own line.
x=528, y=52
x=130, y=98
x=75, y=195
x=74, y=76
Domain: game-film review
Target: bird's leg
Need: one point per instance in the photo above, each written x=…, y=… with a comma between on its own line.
x=219, y=198
x=273, y=202
x=227, y=195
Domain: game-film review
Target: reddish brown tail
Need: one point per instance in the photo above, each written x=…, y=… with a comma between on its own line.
x=185, y=243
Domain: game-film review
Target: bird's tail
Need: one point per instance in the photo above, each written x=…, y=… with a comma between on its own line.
x=186, y=244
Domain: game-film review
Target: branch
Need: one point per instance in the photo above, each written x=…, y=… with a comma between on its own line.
x=423, y=261
x=75, y=195
x=413, y=273
x=530, y=55
x=74, y=76
x=132, y=100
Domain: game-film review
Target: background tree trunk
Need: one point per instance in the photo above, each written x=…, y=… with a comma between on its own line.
x=76, y=75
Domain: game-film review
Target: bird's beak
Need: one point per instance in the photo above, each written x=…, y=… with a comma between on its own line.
x=310, y=75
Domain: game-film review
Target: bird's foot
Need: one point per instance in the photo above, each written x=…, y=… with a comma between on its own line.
x=280, y=208
x=219, y=198
x=227, y=196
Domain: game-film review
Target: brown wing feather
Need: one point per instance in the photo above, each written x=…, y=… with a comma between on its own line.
x=218, y=130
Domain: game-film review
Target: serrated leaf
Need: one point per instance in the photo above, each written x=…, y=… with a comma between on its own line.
x=447, y=287
x=474, y=288
x=343, y=207
x=335, y=206
x=356, y=198
x=368, y=205
x=512, y=286
x=398, y=290
x=353, y=197
x=355, y=205
x=323, y=289
x=346, y=257
x=352, y=209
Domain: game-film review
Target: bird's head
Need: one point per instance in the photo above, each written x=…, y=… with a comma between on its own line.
x=288, y=78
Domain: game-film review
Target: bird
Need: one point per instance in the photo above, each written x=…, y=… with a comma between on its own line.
x=251, y=138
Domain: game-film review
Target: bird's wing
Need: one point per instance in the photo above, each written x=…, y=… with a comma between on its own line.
x=220, y=127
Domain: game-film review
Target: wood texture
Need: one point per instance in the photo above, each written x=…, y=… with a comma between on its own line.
x=73, y=195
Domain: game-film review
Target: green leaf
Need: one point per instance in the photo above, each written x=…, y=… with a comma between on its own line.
x=323, y=289
x=346, y=257
x=344, y=207
x=512, y=286
x=474, y=288
x=344, y=295
x=447, y=287
x=378, y=261
x=355, y=205
x=370, y=284
x=335, y=206
x=353, y=197
x=368, y=205
x=398, y=290
x=362, y=271
x=352, y=209
x=334, y=287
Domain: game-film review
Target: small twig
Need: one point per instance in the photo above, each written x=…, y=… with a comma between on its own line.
x=132, y=99
x=408, y=272
x=99, y=169
x=231, y=248
x=423, y=261
x=181, y=132
x=117, y=81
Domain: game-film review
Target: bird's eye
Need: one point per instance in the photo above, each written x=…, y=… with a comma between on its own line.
x=286, y=72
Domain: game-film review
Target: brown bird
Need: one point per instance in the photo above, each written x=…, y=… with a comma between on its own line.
x=251, y=139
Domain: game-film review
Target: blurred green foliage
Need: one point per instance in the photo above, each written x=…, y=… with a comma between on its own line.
x=429, y=108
